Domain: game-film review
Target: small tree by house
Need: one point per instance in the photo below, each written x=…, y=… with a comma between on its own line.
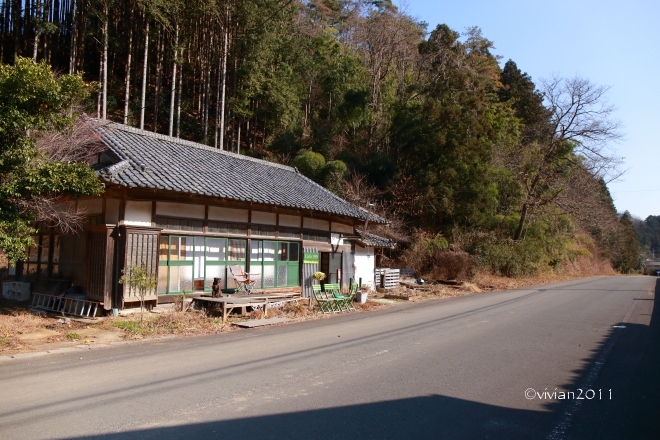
x=140, y=278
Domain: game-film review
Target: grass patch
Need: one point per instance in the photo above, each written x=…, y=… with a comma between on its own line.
x=4, y=341
x=73, y=336
x=129, y=326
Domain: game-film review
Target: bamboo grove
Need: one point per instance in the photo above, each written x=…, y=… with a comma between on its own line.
x=364, y=99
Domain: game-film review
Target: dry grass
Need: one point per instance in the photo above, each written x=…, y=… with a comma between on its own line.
x=580, y=268
x=173, y=322
x=295, y=311
x=301, y=312
x=17, y=321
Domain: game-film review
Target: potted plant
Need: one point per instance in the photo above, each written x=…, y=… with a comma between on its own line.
x=318, y=276
x=361, y=296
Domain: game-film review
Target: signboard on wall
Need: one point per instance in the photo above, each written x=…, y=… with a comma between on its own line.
x=311, y=258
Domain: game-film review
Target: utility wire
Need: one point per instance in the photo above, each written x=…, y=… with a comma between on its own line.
x=637, y=190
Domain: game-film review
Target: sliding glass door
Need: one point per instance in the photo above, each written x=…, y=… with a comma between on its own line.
x=191, y=263
x=274, y=263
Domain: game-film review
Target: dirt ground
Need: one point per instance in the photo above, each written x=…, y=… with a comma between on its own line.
x=22, y=331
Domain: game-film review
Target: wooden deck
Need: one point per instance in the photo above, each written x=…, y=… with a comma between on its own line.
x=231, y=302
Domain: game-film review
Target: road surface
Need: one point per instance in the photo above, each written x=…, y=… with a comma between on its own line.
x=491, y=365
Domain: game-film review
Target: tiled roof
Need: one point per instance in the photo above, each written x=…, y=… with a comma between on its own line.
x=374, y=240
x=151, y=160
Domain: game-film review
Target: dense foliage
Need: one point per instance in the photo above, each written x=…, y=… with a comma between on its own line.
x=444, y=141
x=648, y=231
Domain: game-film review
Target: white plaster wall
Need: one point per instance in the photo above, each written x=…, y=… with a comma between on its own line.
x=365, y=265
x=183, y=210
x=342, y=228
x=228, y=214
x=292, y=221
x=336, y=239
x=137, y=213
x=112, y=211
x=91, y=206
x=264, y=218
x=312, y=223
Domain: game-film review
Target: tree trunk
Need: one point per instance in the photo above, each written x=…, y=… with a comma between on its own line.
x=47, y=18
x=173, y=91
x=217, y=104
x=127, y=93
x=54, y=51
x=159, y=68
x=238, y=143
x=206, y=100
x=224, y=84
x=178, y=105
x=80, y=37
x=74, y=38
x=144, y=75
x=521, y=223
x=104, y=104
x=16, y=12
x=247, y=134
x=36, y=32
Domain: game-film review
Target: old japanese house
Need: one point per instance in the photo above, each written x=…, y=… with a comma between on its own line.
x=188, y=212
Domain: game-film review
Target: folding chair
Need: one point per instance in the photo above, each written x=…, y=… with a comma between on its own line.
x=334, y=289
x=242, y=279
x=327, y=303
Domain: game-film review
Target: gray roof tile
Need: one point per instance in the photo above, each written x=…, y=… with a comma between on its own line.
x=374, y=240
x=151, y=160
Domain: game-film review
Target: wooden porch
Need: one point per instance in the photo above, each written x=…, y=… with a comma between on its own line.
x=241, y=301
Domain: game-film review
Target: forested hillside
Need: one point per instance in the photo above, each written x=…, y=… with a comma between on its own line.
x=648, y=231
x=463, y=152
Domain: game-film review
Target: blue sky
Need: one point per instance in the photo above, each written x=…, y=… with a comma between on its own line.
x=612, y=43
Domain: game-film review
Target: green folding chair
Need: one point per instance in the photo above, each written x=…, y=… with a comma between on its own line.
x=334, y=289
x=325, y=305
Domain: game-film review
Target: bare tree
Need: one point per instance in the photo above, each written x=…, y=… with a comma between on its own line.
x=582, y=115
x=358, y=191
x=79, y=143
x=579, y=133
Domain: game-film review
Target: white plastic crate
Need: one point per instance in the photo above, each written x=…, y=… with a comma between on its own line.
x=16, y=290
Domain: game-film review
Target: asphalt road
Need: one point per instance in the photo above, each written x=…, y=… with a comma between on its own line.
x=456, y=368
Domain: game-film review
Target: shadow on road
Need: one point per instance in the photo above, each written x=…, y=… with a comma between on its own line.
x=428, y=417
x=631, y=373
x=627, y=362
